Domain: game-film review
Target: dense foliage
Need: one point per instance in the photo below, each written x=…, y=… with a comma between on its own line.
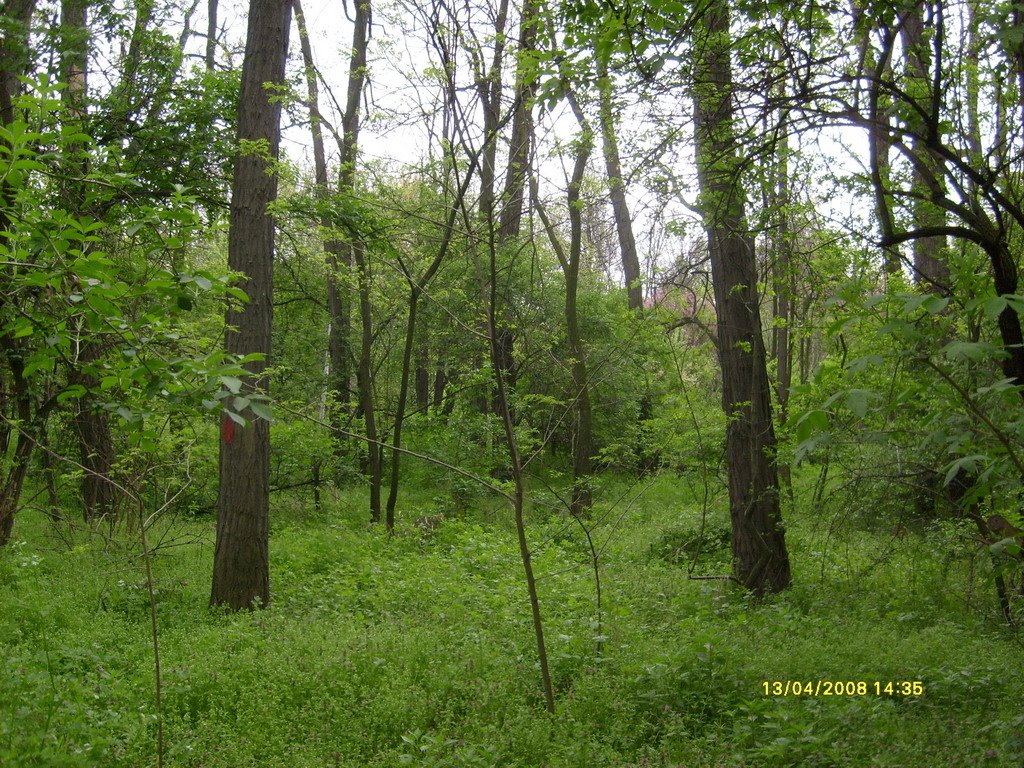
x=604, y=362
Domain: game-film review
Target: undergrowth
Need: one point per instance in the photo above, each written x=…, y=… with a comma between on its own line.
x=418, y=649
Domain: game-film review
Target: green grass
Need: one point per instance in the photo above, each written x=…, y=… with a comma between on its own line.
x=418, y=650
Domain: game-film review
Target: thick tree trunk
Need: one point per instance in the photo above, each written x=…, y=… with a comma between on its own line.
x=96, y=446
x=760, y=560
x=74, y=53
x=241, y=573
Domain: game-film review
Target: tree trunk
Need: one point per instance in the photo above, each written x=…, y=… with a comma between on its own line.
x=416, y=288
x=516, y=469
x=440, y=382
x=930, y=269
x=241, y=569
x=14, y=62
x=760, y=560
x=489, y=90
x=14, y=58
x=522, y=128
x=30, y=425
x=338, y=304
x=784, y=281
x=74, y=54
x=422, y=370
x=91, y=424
x=403, y=390
x=349, y=150
x=581, y=499
x=880, y=141
x=617, y=189
x=96, y=446
x=211, y=35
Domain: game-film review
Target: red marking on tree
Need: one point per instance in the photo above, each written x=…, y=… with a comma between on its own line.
x=227, y=429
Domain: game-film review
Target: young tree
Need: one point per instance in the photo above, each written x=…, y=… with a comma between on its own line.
x=583, y=445
x=241, y=570
x=350, y=123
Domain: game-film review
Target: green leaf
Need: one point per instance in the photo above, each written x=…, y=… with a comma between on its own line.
x=262, y=410
x=977, y=351
x=967, y=463
x=73, y=392
x=993, y=306
x=811, y=422
x=232, y=383
x=857, y=401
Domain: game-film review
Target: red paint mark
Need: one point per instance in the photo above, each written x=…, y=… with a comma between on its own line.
x=227, y=429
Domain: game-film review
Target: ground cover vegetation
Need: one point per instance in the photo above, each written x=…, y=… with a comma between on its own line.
x=511, y=383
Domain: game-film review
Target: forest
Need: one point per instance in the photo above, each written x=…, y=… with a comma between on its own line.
x=511, y=383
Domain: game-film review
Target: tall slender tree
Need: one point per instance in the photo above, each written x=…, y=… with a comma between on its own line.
x=760, y=559
x=617, y=186
x=349, y=148
x=241, y=568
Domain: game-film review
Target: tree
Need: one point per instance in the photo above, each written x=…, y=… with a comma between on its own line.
x=241, y=570
x=617, y=186
x=346, y=184
x=583, y=445
x=760, y=559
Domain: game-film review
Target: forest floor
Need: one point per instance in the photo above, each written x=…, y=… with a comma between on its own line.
x=418, y=649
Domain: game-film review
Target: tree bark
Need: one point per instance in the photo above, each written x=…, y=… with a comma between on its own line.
x=880, y=141
x=14, y=62
x=617, y=189
x=784, y=280
x=760, y=559
x=930, y=268
x=581, y=498
x=241, y=570
x=422, y=369
x=91, y=424
x=440, y=382
x=339, y=309
x=522, y=128
x=349, y=150
x=211, y=35
x=14, y=54
x=30, y=426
